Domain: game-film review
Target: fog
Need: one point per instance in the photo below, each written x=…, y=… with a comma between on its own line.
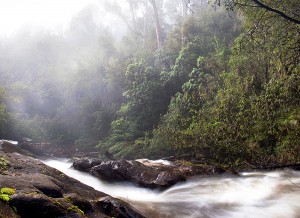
x=16, y=14
x=63, y=63
x=51, y=59
x=54, y=16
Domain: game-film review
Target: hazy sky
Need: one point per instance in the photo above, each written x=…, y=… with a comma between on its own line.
x=15, y=14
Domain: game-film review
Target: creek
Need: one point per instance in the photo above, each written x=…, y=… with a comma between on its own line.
x=273, y=194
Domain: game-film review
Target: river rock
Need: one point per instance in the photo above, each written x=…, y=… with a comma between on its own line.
x=36, y=205
x=117, y=208
x=86, y=164
x=146, y=174
x=83, y=165
x=10, y=147
x=79, y=201
x=41, y=191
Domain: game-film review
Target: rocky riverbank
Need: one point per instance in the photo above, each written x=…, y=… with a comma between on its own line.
x=31, y=189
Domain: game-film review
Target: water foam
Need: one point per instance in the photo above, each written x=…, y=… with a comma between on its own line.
x=253, y=194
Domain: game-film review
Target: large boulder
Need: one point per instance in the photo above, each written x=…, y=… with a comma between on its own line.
x=138, y=173
x=146, y=174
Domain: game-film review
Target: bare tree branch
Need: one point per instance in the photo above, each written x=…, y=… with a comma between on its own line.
x=259, y=3
x=231, y=4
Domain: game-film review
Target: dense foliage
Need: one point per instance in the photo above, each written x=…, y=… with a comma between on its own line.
x=223, y=86
x=247, y=111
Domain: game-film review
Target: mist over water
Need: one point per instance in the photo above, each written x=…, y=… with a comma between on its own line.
x=257, y=194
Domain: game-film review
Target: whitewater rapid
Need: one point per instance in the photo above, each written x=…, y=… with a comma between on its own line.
x=273, y=194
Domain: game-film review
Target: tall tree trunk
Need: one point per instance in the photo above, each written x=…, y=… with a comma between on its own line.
x=146, y=21
x=184, y=13
x=184, y=8
x=133, y=13
x=159, y=37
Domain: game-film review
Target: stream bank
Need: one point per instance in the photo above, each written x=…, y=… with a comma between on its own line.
x=42, y=191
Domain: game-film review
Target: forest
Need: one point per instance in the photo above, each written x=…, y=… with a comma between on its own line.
x=217, y=80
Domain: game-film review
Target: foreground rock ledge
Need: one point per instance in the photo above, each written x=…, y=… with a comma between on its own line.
x=42, y=191
x=144, y=173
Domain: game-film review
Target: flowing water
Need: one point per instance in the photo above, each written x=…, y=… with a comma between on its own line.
x=252, y=195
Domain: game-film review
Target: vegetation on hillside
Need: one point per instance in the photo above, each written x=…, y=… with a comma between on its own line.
x=221, y=84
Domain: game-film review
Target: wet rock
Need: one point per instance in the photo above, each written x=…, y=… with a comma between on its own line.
x=169, y=178
x=36, y=205
x=47, y=187
x=79, y=201
x=117, y=208
x=83, y=165
x=32, y=183
x=95, y=162
x=86, y=164
x=151, y=175
x=112, y=170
